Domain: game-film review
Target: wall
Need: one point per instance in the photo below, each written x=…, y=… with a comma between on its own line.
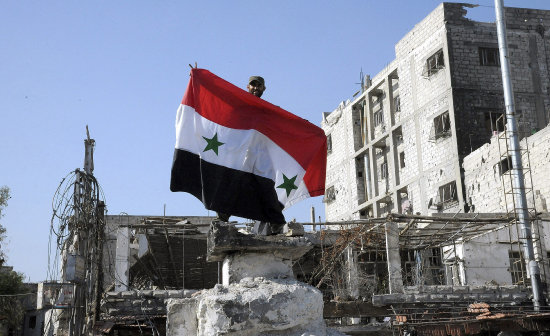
x=485, y=189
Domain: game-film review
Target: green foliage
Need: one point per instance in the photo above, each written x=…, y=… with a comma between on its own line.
x=4, y=197
x=11, y=282
x=11, y=307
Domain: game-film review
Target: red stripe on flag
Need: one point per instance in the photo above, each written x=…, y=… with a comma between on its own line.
x=228, y=105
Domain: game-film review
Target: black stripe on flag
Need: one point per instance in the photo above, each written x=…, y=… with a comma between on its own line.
x=225, y=189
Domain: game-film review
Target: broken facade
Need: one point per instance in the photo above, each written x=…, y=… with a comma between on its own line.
x=399, y=146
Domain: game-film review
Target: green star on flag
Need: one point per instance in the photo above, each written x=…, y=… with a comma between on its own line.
x=212, y=143
x=288, y=184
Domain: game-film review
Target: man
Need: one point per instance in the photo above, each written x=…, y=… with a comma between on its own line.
x=256, y=86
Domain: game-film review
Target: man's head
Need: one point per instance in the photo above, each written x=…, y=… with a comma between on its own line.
x=256, y=85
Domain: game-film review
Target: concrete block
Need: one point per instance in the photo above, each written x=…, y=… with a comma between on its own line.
x=509, y=289
x=377, y=300
x=161, y=294
x=239, y=266
x=470, y=297
x=393, y=298
x=461, y=289
x=454, y=297
x=181, y=317
x=505, y=297
x=438, y=297
x=519, y=296
x=477, y=289
x=174, y=293
x=444, y=289
x=487, y=297
x=422, y=297
x=492, y=288
x=409, y=298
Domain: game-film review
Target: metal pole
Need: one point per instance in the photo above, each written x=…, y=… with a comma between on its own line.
x=313, y=217
x=517, y=168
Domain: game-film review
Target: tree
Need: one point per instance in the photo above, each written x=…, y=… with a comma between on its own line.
x=4, y=197
x=11, y=298
x=11, y=282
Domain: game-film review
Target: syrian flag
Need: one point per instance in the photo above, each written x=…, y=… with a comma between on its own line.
x=242, y=155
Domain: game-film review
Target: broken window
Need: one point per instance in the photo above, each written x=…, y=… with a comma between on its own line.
x=384, y=170
x=408, y=264
x=435, y=266
x=329, y=144
x=447, y=193
x=402, y=159
x=32, y=322
x=442, y=125
x=330, y=195
x=494, y=122
x=489, y=56
x=434, y=63
x=505, y=165
x=397, y=104
x=378, y=118
x=374, y=270
x=517, y=268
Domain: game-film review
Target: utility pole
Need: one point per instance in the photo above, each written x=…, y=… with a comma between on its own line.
x=517, y=167
x=85, y=243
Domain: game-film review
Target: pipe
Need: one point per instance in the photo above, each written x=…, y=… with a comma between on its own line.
x=517, y=168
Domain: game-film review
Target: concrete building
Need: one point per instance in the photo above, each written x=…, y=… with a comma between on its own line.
x=399, y=146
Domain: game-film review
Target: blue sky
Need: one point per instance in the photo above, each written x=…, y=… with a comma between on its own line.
x=121, y=67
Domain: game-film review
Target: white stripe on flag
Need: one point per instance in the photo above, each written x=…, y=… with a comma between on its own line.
x=245, y=150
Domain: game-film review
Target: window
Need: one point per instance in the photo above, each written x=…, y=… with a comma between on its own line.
x=489, y=56
x=384, y=170
x=329, y=144
x=494, y=122
x=435, y=266
x=378, y=118
x=505, y=165
x=517, y=268
x=408, y=267
x=447, y=193
x=32, y=322
x=442, y=125
x=330, y=195
x=434, y=63
x=397, y=104
x=402, y=159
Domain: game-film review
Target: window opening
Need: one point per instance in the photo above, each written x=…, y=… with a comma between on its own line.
x=435, y=63
x=384, y=170
x=494, y=122
x=330, y=195
x=378, y=118
x=505, y=165
x=397, y=104
x=402, y=159
x=489, y=56
x=447, y=193
x=517, y=268
x=442, y=125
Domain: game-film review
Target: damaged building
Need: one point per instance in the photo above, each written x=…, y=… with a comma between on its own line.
x=424, y=145
x=399, y=146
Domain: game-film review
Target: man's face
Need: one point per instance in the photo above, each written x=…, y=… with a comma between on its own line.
x=256, y=88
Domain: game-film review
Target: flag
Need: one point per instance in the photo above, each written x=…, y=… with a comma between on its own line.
x=242, y=155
